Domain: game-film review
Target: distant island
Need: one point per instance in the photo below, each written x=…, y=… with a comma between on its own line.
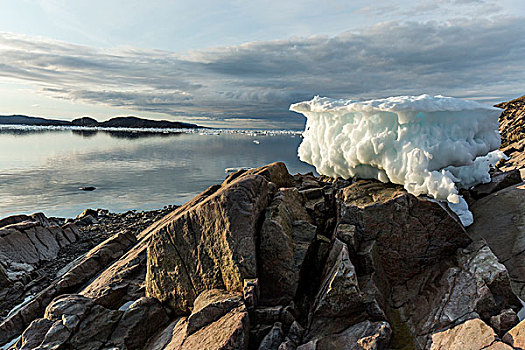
x=117, y=122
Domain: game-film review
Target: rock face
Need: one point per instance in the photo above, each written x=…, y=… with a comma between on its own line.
x=500, y=219
x=210, y=245
x=512, y=130
x=270, y=261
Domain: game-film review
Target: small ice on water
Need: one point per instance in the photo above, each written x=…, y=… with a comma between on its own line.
x=430, y=145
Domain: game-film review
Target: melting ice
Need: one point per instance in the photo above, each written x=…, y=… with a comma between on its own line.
x=430, y=145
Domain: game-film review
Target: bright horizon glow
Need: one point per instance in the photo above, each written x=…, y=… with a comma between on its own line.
x=240, y=64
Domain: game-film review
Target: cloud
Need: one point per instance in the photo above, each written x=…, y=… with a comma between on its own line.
x=259, y=80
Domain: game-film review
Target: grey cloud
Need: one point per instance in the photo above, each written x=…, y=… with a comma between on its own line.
x=259, y=80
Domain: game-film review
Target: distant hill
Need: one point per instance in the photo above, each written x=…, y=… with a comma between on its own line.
x=118, y=122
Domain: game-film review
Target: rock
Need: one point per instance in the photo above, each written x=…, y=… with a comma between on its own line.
x=86, y=220
x=498, y=218
x=497, y=182
x=80, y=273
x=95, y=329
x=230, y=332
x=410, y=233
x=512, y=120
x=34, y=334
x=471, y=335
x=478, y=286
x=251, y=293
x=87, y=188
x=273, y=339
x=141, y=321
x=339, y=302
x=211, y=305
x=364, y=335
x=504, y=321
x=88, y=212
x=285, y=236
x=209, y=243
x=274, y=172
x=516, y=336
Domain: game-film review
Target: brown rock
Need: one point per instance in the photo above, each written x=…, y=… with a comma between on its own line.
x=411, y=233
x=498, y=181
x=516, y=336
x=142, y=320
x=34, y=334
x=208, y=244
x=499, y=219
x=504, y=321
x=211, y=305
x=471, y=335
x=285, y=237
x=274, y=172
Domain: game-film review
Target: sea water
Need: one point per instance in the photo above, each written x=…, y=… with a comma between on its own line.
x=42, y=169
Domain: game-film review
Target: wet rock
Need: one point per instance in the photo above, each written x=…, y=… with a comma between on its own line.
x=285, y=236
x=88, y=212
x=497, y=220
x=209, y=243
x=211, y=305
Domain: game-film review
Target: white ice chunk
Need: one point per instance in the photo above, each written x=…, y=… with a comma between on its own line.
x=427, y=144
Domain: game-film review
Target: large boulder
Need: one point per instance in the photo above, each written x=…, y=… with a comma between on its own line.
x=410, y=233
x=500, y=219
x=284, y=239
x=207, y=244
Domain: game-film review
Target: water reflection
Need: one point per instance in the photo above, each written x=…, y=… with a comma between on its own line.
x=43, y=170
x=132, y=135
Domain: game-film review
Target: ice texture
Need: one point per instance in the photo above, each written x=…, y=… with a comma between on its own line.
x=431, y=145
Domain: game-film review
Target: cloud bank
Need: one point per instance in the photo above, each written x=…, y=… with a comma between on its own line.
x=477, y=59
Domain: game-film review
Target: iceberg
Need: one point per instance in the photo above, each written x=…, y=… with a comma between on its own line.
x=432, y=145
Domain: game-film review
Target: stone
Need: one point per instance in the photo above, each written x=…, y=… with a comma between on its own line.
x=95, y=328
x=504, y=321
x=500, y=219
x=411, y=233
x=251, y=293
x=276, y=173
x=230, y=332
x=478, y=286
x=88, y=212
x=284, y=239
x=35, y=334
x=471, y=335
x=207, y=244
x=498, y=181
x=139, y=322
x=273, y=339
x=364, y=335
x=516, y=336
x=211, y=305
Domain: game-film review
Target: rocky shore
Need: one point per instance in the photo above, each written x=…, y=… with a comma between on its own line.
x=269, y=260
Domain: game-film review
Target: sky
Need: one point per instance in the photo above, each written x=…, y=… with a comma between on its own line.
x=236, y=63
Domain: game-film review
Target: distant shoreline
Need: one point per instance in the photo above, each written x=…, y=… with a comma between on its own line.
x=117, y=122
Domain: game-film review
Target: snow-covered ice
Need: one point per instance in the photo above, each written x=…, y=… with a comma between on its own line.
x=430, y=145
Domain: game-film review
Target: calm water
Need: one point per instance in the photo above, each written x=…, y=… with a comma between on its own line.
x=42, y=170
